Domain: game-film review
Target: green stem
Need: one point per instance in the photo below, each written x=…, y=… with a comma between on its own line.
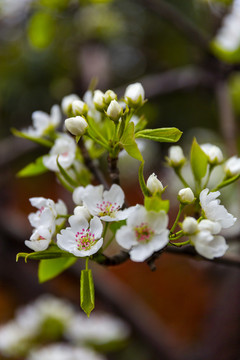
x=178, y=173
x=181, y=207
x=108, y=243
x=180, y=244
x=86, y=263
x=105, y=230
x=211, y=167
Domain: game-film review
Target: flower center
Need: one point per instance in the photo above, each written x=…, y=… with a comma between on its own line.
x=107, y=208
x=143, y=233
x=85, y=239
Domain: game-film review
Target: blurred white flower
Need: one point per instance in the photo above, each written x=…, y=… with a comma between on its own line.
x=14, y=339
x=40, y=239
x=154, y=185
x=98, y=100
x=176, y=157
x=145, y=233
x=114, y=110
x=189, y=225
x=213, y=210
x=134, y=95
x=79, y=107
x=186, y=196
x=214, y=153
x=67, y=103
x=76, y=125
x=109, y=96
x=232, y=166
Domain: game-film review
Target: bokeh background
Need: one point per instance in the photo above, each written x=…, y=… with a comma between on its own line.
x=188, y=308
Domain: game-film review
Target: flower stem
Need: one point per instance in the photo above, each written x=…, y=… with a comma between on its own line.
x=211, y=167
x=178, y=173
x=181, y=207
x=105, y=230
x=108, y=243
x=86, y=263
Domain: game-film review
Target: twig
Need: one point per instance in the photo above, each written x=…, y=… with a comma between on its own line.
x=91, y=166
x=113, y=170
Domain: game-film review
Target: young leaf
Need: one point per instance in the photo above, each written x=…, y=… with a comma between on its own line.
x=142, y=183
x=87, y=297
x=129, y=143
x=37, y=140
x=161, y=135
x=155, y=203
x=35, y=168
x=49, y=269
x=199, y=161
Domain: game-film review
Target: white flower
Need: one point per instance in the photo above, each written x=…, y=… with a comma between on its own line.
x=82, y=211
x=63, y=352
x=190, y=225
x=64, y=149
x=154, y=185
x=79, y=107
x=213, y=210
x=92, y=112
x=114, y=110
x=232, y=166
x=98, y=100
x=134, y=95
x=14, y=339
x=109, y=96
x=43, y=122
x=40, y=239
x=214, y=153
x=76, y=125
x=81, y=239
x=105, y=204
x=186, y=196
x=99, y=329
x=67, y=103
x=145, y=233
x=176, y=157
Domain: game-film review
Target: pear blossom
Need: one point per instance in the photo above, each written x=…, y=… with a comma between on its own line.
x=43, y=122
x=154, y=185
x=99, y=329
x=114, y=110
x=82, y=211
x=105, y=204
x=176, y=157
x=213, y=210
x=214, y=153
x=134, y=95
x=145, y=233
x=81, y=238
x=190, y=225
x=186, y=196
x=232, y=166
x=98, y=100
x=67, y=103
x=79, y=107
x=64, y=149
x=40, y=239
x=109, y=96
x=76, y=125
x=92, y=111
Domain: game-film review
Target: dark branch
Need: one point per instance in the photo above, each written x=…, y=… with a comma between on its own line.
x=113, y=170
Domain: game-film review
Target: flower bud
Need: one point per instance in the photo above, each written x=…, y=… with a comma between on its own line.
x=154, y=185
x=76, y=125
x=98, y=100
x=82, y=212
x=232, y=166
x=67, y=103
x=79, y=108
x=109, y=96
x=176, y=157
x=186, y=196
x=134, y=95
x=214, y=153
x=190, y=225
x=114, y=110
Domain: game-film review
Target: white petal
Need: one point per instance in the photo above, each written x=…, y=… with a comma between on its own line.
x=77, y=223
x=157, y=221
x=125, y=237
x=159, y=241
x=137, y=216
x=96, y=227
x=77, y=195
x=141, y=252
x=216, y=248
x=37, y=245
x=66, y=240
x=115, y=194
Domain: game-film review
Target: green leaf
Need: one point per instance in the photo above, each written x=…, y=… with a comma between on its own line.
x=41, y=29
x=199, y=161
x=226, y=182
x=155, y=203
x=114, y=226
x=37, y=140
x=129, y=143
x=50, y=268
x=142, y=183
x=35, y=168
x=65, y=175
x=162, y=134
x=87, y=297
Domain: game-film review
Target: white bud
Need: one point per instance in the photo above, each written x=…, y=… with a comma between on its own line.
x=67, y=103
x=114, y=110
x=79, y=107
x=109, y=96
x=82, y=212
x=232, y=166
x=154, y=185
x=176, y=157
x=212, y=226
x=134, y=95
x=186, y=196
x=76, y=125
x=190, y=225
x=98, y=100
x=214, y=153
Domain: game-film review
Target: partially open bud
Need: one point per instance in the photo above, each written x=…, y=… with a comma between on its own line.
x=67, y=103
x=98, y=100
x=176, y=157
x=190, y=225
x=186, y=196
x=214, y=153
x=232, y=166
x=114, y=110
x=109, y=96
x=134, y=95
x=76, y=125
x=154, y=185
x=79, y=107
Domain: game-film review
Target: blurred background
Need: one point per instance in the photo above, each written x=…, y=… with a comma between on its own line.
x=187, y=56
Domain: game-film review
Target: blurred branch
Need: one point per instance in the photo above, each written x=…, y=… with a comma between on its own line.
x=113, y=170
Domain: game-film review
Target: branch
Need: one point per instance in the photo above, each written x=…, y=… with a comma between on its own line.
x=113, y=170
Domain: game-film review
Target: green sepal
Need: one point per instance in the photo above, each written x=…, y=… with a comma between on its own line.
x=155, y=203
x=52, y=252
x=65, y=175
x=50, y=268
x=129, y=143
x=35, y=168
x=199, y=161
x=87, y=296
x=37, y=140
x=162, y=134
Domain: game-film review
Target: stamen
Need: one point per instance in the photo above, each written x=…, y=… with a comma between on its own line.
x=143, y=233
